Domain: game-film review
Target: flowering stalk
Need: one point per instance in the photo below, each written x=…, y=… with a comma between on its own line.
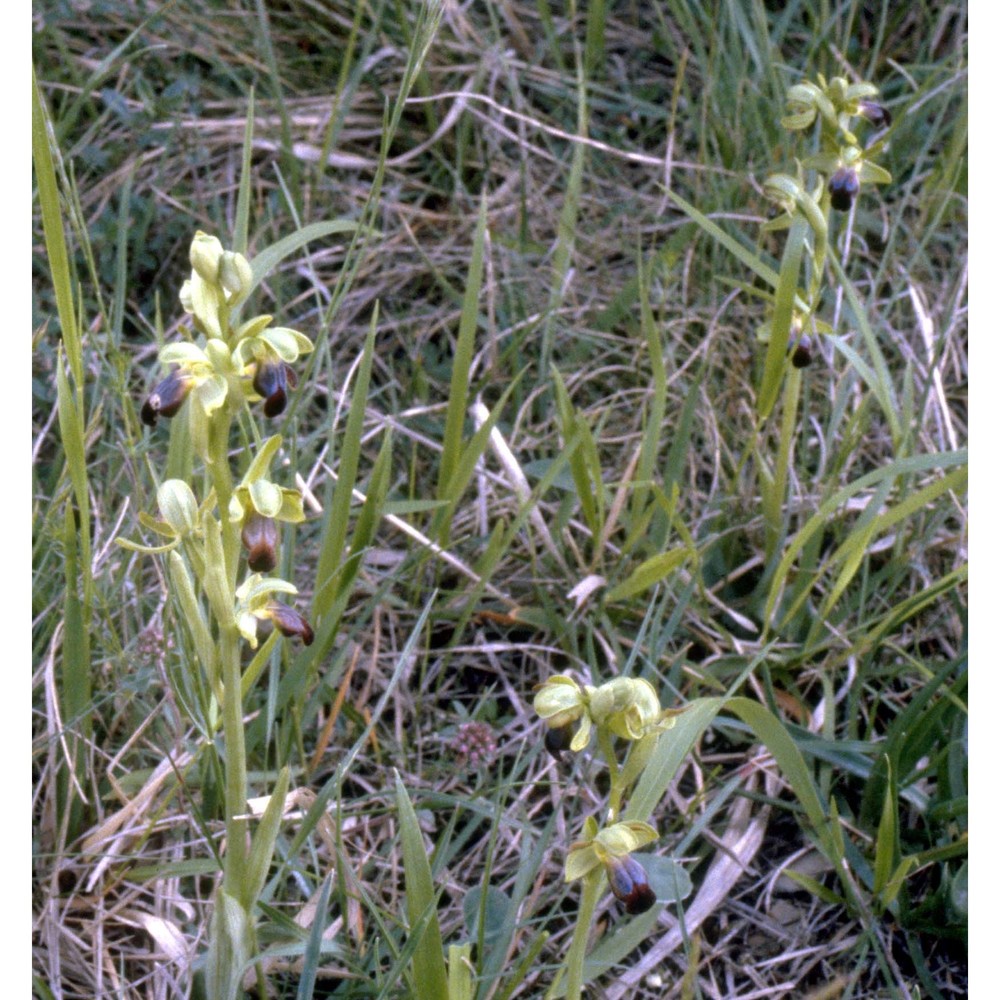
x=842, y=166
x=624, y=709
x=825, y=183
x=215, y=372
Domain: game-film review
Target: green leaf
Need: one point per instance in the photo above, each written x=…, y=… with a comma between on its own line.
x=314, y=946
x=262, y=845
x=785, y=298
x=819, y=521
x=460, y=972
x=428, y=966
x=339, y=510
x=228, y=948
x=671, y=751
x=458, y=390
x=246, y=182
x=269, y=258
x=649, y=573
x=493, y=907
x=42, y=140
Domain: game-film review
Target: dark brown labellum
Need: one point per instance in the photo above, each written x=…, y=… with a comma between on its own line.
x=271, y=382
x=877, y=114
x=802, y=351
x=290, y=622
x=167, y=396
x=260, y=539
x=558, y=740
x=629, y=883
x=843, y=187
x=275, y=403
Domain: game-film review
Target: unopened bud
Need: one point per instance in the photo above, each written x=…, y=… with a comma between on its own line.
x=235, y=275
x=206, y=252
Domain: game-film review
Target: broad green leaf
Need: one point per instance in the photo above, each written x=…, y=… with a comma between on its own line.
x=493, y=907
x=429, y=971
x=262, y=846
x=228, y=948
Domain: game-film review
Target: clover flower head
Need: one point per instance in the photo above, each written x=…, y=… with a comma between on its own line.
x=613, y=847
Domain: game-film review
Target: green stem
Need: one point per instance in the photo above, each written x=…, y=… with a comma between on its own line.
x=578, y=949
x=615, y=794
x=775, y=522
x=236, y=764
x=222, y=480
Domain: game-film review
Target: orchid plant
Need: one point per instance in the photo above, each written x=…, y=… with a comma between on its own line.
x=623, y=709
x=218, y=371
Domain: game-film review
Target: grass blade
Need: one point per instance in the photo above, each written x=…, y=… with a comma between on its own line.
x=458, y=391
x=428, y=965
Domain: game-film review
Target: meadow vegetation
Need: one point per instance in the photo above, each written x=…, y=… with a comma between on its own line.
x=539, y=425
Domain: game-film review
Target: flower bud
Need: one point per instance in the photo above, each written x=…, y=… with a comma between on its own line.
x=843, y=187
x=206, y=252
x=235, y=275
x=178, y=506
x=166, y=398
x=630, y=884
x=260, y=539
x=290, y=622
x=629, y=707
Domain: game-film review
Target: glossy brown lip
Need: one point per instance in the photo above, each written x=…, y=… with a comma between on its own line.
x=167, y=397
x=629, y=883
x=260, y=539
x=290, y=622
